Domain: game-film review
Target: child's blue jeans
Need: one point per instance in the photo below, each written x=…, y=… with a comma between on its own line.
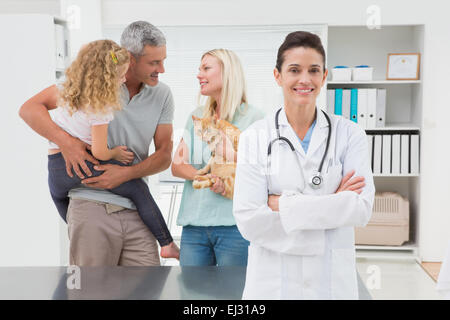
x=136, y=190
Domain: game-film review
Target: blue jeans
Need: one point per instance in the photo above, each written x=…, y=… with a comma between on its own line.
x=211, y=246
x=136, y=190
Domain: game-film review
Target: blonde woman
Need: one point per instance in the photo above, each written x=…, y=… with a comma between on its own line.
x=210, y=235
x=86, y=104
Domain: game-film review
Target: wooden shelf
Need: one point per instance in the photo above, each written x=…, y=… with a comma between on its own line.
x=396, y=175
x=396, y=127
x=405, y=252
x=406, y=247
x=376, y=82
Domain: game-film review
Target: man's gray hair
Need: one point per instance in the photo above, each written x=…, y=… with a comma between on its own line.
x=139, y=34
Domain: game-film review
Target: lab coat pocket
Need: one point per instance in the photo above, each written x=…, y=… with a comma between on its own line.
x=333, y=178
x=263, y=278
x=286, y=174
x=344, y=283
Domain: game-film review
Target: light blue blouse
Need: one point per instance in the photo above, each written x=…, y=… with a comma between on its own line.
x=307, y=138
x=203, y=207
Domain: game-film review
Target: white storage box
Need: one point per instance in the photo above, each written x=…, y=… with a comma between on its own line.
x=389, y=224
x=341, y=73
x=362, y=73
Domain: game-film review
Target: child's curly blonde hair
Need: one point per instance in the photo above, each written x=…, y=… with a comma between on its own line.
x=92, y=80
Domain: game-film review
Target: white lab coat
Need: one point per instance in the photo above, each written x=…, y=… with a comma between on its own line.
x=306, y=250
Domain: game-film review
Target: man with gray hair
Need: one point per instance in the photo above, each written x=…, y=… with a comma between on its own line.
x=104, y=228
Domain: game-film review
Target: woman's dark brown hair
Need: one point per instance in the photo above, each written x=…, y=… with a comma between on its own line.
x=300, y=39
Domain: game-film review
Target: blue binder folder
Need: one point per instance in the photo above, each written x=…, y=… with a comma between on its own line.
x=338, y=102
x=354, y=105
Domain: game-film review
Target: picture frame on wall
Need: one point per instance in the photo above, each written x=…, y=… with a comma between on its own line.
x=403, y=66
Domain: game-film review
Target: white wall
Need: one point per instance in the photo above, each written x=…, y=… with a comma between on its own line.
x=84, y=20
x=435, y=175
x=30, y=6
x=231, y=12
x=29, y=233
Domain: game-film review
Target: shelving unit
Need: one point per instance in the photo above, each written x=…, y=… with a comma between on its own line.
x=357, y=45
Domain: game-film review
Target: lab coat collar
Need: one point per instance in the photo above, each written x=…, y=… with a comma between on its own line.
x=318, y=137
x=320, y=123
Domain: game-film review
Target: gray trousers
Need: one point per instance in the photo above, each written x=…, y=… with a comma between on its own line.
x=101, y=238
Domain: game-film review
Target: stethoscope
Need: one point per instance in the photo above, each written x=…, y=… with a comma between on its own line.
x=316, y=180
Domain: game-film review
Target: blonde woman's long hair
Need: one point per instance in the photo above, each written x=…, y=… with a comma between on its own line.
x=92, y=80
x=233, y=85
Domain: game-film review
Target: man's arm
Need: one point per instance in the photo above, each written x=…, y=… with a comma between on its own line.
x=162, y=157
x=160, y=160
x=35, y=112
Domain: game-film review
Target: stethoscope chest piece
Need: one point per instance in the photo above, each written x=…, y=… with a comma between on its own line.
x=316, y=181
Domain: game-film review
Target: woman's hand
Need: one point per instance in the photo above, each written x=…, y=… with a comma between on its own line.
x=180, y=164
x=218, y=186
x=122, y=155
x=355, y=184
x=273, y=202
x=224, y=149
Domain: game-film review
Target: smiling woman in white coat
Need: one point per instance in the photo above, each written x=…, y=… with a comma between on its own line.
x=303, y=182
